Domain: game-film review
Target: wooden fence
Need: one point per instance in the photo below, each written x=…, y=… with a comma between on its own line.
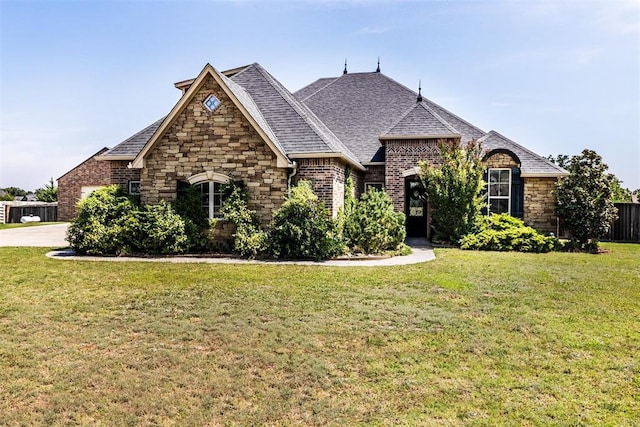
x=627, y=227
x=13, y=211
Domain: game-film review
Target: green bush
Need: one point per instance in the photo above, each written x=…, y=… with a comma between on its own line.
x=196, y=222
x=156, y=229
x=249, y=240
x=372, y=226
x=302, y=228
x=505, y=233
x=100, y=227
x=111, y=223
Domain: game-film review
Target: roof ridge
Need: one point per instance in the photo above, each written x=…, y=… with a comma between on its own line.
x=308, y=116
x=322, y=88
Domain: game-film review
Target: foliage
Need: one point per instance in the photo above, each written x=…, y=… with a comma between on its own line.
x=372, y=226
x=100, y=227
x=10, y=193
x=109, y=222
x=584, y=200
x=302, y=227
x=619, y=193
x=196, y=221
x=453, y=189
x=561, y=160
x=49, y=193
x=502, y=232
x=249, y=239
x=156, y=229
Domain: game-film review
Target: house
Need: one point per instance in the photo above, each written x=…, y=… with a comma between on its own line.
x=244, y=125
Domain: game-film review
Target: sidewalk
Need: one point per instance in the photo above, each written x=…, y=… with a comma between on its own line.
x=421, y=252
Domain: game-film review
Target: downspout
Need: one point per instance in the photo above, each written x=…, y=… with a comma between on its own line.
x=294, y=167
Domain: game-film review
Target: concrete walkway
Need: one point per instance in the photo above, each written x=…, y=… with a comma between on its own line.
x=45, y=236
x=421, y=252
x=53, y=236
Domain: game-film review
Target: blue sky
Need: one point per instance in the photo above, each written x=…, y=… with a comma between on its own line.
x=554, y=76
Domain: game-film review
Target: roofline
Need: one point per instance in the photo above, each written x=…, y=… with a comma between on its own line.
x=543, y=174
x=334, y=155
x=97, y=153
x=374, y=163
x=281, y=159
x=103, y=158
x=426, y=136
x=184, y=84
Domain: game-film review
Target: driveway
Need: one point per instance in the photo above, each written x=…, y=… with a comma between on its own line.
x=46, y=235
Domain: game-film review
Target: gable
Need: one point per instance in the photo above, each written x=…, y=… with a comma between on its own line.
x=193, y=99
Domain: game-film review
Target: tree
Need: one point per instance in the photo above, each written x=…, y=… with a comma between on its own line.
x=584, y=200
x=10, y=193
x=619, y=193
x=49, y=193
x=561, y=160
x=453, y=189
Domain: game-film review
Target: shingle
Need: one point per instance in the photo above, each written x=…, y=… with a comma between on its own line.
x=297, y=128
x=422, y=121
x=531, y=163
x=131, y=146
x=360, y=107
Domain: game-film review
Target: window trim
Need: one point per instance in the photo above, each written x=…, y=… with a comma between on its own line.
x=373, y=184
x=211, y=178
x=130, y=191
x=490, y=197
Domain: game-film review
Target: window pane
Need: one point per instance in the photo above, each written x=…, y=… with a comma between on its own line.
x=493, y=189
x=498, y=206
x=504, y=190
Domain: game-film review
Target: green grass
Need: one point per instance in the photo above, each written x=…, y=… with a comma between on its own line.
x=26, y=224
x=473, y=338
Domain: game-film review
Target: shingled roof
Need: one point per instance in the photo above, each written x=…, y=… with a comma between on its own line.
x=531, y=164
x=130, y=147
x=361, y=107
x=421, y=122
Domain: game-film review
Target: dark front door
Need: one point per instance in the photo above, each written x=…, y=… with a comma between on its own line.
x=416, y=208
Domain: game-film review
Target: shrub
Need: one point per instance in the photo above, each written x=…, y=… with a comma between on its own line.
x=584, y=200
x=196, y=222
x=453, y=189
x=302, y=227
x=100, y=227
x=249, y=239
x=156, y=229
x=505, y=233
x=372, y=226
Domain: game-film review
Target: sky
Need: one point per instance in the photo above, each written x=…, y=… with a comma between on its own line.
x=555, y=76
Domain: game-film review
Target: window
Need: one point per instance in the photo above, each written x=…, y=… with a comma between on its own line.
x=134, y=188
x=499, y=190
x=377, y=185
x=211, y=103
x=212, y=198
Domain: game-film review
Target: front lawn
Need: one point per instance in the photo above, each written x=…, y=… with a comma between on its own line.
x=473, y=338
x=25, y=224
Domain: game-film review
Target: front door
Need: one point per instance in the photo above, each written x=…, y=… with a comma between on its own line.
x=416, y=208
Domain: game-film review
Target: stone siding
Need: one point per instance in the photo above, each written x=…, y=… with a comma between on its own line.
x=89, y=173
x=327, y=176
x=222, y=142
x=500, y=161
x=538, y=204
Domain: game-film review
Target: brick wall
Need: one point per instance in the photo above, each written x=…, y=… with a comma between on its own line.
x=89, y=173
x=223, y=142
x=539, y=203
x=402, y=155
x=121, y=174
x=327, y=176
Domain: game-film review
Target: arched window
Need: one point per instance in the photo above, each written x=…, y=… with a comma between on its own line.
x=210, y=185
x=212, y=197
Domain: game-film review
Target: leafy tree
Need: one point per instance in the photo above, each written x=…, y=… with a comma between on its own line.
x=561, y=160
x=12, y=192
x=454, y=190
x=619, y=193
x=49, y=193
x=584, y=200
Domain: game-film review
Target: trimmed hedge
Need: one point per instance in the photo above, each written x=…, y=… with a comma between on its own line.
x=505, y=233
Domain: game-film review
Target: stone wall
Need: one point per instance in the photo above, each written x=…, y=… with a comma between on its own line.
x=222, y=142
x=538, y=204
x=327, y=176
x=89, y=173
x=500, y=161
